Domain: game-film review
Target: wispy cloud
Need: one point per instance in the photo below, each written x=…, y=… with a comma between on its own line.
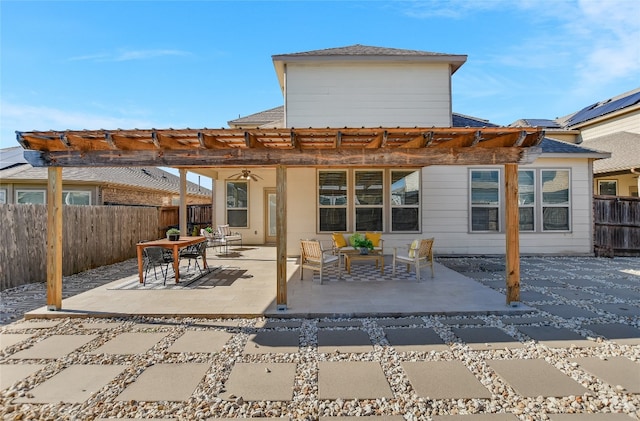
x=28, y=117
x=129, y=55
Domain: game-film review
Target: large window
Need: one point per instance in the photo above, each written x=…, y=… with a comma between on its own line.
x=369, y=200
x=37, y=197
x=332, y=200
x=555, y=200
x=485, y=200
x=238, y=204
x=405, y=201
x=543, y=195
x=76, y=197
x=3, y=196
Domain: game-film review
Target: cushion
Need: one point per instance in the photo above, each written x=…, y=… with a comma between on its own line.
x=374, y=237
x=339, y=240
x=414, y=246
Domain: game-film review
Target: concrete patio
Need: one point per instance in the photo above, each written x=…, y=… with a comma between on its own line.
x=246, y=287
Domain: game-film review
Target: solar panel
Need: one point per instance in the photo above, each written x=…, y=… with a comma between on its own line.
x=600, y=109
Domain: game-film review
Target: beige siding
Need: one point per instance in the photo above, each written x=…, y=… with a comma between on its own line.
x=337, y=95
x=628, y=122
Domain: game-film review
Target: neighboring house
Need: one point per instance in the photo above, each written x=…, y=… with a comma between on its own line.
x=462, y=207
x=150, y=186
x=612, y=125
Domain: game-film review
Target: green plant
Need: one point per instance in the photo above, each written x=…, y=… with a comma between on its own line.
x=209, y=230
x=362, y=242
x=173, y=231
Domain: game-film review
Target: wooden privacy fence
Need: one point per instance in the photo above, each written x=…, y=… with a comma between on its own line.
x=93, y=236
x=198, y=216
x=617, y=226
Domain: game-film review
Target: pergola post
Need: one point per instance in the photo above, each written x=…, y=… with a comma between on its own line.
x=281, y=237
x=512, y=234
x=182, y=210
x=54, y=238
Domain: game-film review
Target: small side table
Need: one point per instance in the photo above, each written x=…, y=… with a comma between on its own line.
x=379, y=259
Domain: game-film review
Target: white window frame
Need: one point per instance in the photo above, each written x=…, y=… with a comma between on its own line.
x=499, y=206
x=18, y=192
x=567, y=205
x=3, y=196
x=600, y=182
x=235, y=208
x=66, y=192
x=393, y=206
x=357, y=206
x=344, y=206
x=533, y=205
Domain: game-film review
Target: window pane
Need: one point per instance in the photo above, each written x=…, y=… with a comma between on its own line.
x=369, y=219
x=555, y=219
x=333, y=219
x=237, y=218
x=485, y=187
x=607, y=188
x=404, y=188
x=526, y=219
x=368, y=188
x=332, y=188
x=404, y=219
x=237, y=194
x=526, y=187
x=555, y=187
x=36, y=197
x=76, y=198
x=484, y=219
x=3, y=196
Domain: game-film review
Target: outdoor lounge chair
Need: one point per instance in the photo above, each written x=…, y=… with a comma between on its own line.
x=313, y=257
x=226, y=236
x=156, y=257
x=419, y=254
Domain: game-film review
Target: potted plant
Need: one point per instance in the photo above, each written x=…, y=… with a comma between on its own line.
x=173, y=234
x=362, y=243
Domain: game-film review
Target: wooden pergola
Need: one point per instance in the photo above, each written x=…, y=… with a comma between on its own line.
x=279, y=148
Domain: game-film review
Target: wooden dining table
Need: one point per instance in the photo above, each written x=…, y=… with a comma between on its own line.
x=183, y=242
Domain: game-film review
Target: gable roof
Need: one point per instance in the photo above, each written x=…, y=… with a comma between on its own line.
x=557, y=147
x=11, y=157
x=152, y=178
x=365, y=53
x=601, y=108
x=624, y=148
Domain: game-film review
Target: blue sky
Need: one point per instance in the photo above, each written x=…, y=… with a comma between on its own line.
x=161, y=64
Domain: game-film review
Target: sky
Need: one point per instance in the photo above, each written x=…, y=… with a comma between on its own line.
x=164, y=64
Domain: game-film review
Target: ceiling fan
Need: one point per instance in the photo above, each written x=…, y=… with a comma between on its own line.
x=246, y=175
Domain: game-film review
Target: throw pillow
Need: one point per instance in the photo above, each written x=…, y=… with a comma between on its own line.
x=338, y=239
x=413, y=248
x=374, y=237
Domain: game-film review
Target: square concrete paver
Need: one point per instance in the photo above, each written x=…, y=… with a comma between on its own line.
x=74, y=384
x=339, y=323
x=556, y=337
x=11, y=373
x=402, y=321
x=286, y=341
x=619, y=309
x=527, y=296
x=525, y=320
x=617, y=332
x=205, y=341
x=536, y=377
x=463, y=322
x=10, y=339
x=354, y=340
x=274, y=324
x=444, y=380
x=566, y=311
x=129, y=343
x=476, y=417
x=165, y=382
x=98, y=325
x=589, y=417
x=481, y=338
x=415, y=339
x=352, y=380
x=614, y=370
x=34, y=324
x=55, y=346
x=572, y=294
x=261, y=381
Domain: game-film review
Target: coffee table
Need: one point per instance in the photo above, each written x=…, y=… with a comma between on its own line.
x=349, y=257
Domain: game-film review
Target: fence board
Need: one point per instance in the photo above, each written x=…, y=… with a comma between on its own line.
x=616, y=226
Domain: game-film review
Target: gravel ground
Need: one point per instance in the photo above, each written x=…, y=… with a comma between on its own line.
x=586, y=296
